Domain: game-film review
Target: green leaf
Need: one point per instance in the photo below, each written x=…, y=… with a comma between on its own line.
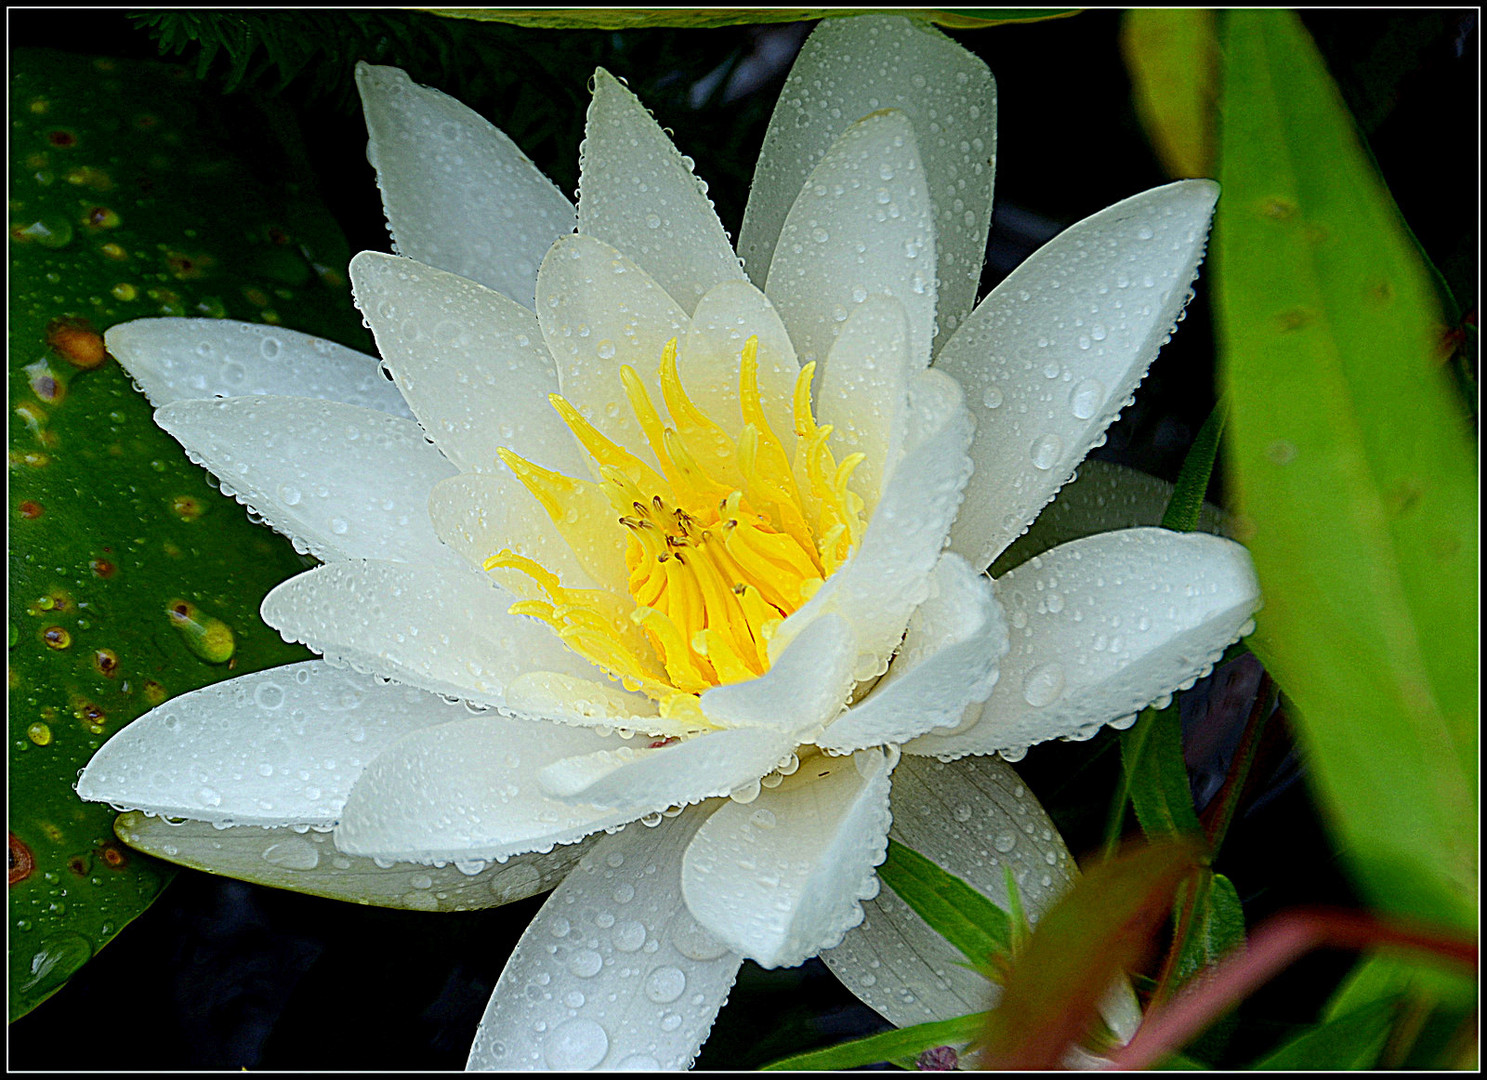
x=904, y=1043
x=1156, y=776
x=969, y=921
x=1171, y=55
x=1082, y=944
x=1217, y=926
x=1355, y=473
x=697, y=18
x=1382, y=976
x=1185, y=510
x=130, y=197
x=1351, y=1041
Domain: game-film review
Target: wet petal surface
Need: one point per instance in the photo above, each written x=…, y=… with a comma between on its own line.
x=1103, y=626
x=638, y=193
x=470, y=362
x=1050, y=358
x=782, y=877
x=342, y=482
x=277, y=747
x=458, y=193
x=175, y=359
x=613, y=973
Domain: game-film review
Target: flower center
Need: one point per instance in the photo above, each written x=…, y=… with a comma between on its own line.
x=725, y=542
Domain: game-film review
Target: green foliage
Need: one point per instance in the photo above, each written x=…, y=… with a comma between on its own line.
x=701, y=18
x=125, y=203
x=969, y=921
x=1351, y=1041
x=1186, y=506
x=1172, y=57
x=1355, y=473
x=889, y=1046
x=1155, y=775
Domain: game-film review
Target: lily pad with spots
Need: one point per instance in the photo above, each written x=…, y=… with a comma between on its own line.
x=133, y=194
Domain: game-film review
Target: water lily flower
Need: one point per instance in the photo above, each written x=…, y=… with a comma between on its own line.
x=648, y=532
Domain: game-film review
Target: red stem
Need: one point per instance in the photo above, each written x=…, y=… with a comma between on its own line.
x=1277, y=944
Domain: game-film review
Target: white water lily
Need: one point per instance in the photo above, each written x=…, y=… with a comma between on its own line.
x=695, y=545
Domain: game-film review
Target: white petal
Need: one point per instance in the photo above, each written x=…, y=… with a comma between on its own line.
x=975, y=819
x=863, y=391
x=445, y=630
x=851, y=67
x=598, y=311
x=1103, y=626
x=458, y=193
x=309, y=863
x=479, y=514
x=590, y=702
x=1050, y=358
x=640, y=779
x=862, y=226
x=172, y=359
x=783, y=877
x=1102, y=497
x=613, y=973
x=468, y=790
x=948, y=661
x=471, y=363
x=879, y=588
x=803, y=689
x=342, y=482
x=277, y=747
x=637, y=193
x=725, y=319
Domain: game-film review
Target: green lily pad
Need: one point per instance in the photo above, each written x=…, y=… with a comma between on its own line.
x=696, y=18
x=131, y=579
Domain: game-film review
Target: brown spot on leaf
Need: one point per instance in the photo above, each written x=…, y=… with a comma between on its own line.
x=76, y=341
x=154, y=692
x=107, y=662
x=102, y=567
x=21, y=862
x=115, y=858
x=61, y=137
x=56, y=637
x=30, y=509
x=187, y=507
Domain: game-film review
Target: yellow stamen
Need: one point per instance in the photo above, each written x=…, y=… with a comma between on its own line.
x=720, y=546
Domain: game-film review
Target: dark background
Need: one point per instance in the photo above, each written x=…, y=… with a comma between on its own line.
x=219, y=974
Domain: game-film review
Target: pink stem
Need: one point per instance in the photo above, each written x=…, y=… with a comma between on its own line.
x=1277, y=944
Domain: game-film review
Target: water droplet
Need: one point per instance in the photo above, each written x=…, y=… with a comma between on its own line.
x=962, y=813
x=292, y=853
x=585, y=963
x=992, y=398
x=1005, y=841
x=1086, y=398
x=1045, y=451
x=665, y=984
x=578, y=1044
x=628, y=935
x=606, y=350
x=1043, y=684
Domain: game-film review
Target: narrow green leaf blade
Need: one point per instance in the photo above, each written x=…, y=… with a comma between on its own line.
x=1157, y=777
x=1355, y=474
x=1217, y=928
x=1351, y=1041
x=969, y=921
x=903, y=1043
x=1186, y=508
x=1171, y=55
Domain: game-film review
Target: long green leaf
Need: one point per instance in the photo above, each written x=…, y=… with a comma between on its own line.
x=891, y=1045
x=1186, y=508
x=1355, y=473
x=1352, y=1041
x=969, y=921
x=133, y=194
x=1217, y=927
x=1157, y=778
x=1171, y=55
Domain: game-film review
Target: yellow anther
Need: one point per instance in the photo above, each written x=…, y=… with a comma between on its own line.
x=718, y=549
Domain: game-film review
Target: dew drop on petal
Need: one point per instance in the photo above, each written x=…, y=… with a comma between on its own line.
x=1043, y=684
